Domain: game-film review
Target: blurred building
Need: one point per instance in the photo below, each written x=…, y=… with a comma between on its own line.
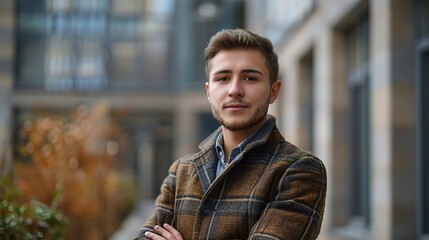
x=355, y=89
x=143, y=57
x=355, y=92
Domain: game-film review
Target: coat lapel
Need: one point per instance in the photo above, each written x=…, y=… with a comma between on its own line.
x=206, y=169
x=206, y=161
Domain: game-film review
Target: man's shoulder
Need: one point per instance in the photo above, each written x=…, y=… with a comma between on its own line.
x=191, y=157
x=188, y=158
x=290, y=153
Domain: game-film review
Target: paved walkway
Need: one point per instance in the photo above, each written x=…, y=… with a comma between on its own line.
x=135, y=219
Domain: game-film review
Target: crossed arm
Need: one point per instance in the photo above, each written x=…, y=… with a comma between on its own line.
x=295, y=213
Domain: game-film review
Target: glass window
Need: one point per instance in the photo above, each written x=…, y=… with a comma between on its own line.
x=422, y=7
x=59, y=6
x=422, y=89
x=67, y=45
x=30, y=69
x=58, y=64
x=91, y=6
x=359, y=160
x=307, y=101
x=90, y=67
x=123, y=62
x=126, y=7
x=209, y=18
x=153, y=65
x=207, y=124
x=424, y=138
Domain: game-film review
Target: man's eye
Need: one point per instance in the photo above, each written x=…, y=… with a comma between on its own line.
x=249, y=78
x=222, y=79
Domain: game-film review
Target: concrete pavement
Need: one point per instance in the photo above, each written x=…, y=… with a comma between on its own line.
x=135, y=219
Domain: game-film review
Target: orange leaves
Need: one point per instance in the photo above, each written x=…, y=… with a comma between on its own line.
x=78, y=154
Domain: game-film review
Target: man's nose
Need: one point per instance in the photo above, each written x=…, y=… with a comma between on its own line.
x=236, y=88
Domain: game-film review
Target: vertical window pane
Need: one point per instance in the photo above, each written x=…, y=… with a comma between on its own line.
x=90, y=68
x=58, y=64
x=30, y=68
x=424, y=83
x=422, y=7
x=151, y=60
x=307, y=101
x=206, y=125
x=422, y=40
x=123, y=61
x=59, y=6
x=126, y=7
x=358, y=80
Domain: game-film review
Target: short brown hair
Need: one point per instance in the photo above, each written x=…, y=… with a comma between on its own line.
x=242, y=39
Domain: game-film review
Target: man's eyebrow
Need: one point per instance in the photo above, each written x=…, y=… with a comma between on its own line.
x=242, y=71
x=222, y=71
x=251, y=71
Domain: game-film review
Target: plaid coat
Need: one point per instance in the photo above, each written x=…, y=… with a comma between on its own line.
x=274, y=190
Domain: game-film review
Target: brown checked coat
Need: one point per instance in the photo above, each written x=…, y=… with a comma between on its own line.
x=274, y=190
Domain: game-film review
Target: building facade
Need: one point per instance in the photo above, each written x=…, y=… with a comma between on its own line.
x=355, y=76
x=144, y=58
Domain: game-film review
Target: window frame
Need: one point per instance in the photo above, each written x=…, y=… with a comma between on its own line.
x=307, y=99
x=421, y=51
x=358, y=79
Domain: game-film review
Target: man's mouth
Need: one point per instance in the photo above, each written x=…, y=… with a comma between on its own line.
x=236, y=106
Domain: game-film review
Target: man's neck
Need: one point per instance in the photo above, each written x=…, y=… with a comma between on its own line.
x=231, y=139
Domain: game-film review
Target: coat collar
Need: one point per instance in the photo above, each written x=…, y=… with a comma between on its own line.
x=209, y=142
x=206, y=159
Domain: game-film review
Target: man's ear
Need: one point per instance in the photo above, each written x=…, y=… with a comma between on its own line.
x=207, y=90
x=275, y=90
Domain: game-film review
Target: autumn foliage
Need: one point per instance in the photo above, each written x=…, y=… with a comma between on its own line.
x=78, y=155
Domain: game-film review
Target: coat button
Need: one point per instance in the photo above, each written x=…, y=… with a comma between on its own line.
x=206, y=209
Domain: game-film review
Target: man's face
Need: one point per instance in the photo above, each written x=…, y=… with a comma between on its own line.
x=239, y=90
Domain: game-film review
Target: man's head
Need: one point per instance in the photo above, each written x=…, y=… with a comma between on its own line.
x=243, y=39
x=242, y=71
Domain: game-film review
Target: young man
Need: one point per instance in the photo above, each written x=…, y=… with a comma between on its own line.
x=246, y=182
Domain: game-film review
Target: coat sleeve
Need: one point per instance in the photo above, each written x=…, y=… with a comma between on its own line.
x=164, y=204
x=296, y=211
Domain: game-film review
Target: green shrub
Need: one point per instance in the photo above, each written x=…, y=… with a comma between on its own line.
x=30, y=221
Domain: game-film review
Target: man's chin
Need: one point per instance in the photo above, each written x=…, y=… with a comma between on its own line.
x=234, y=127
x=235, y=124
x=239, y=125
